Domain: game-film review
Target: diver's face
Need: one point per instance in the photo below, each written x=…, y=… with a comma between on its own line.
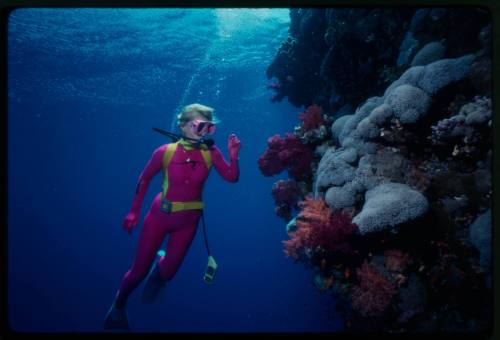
x=186, y=129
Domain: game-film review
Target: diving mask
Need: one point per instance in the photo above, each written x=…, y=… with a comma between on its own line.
x=201, y=127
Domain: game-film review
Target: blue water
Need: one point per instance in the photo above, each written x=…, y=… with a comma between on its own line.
x=85, y=87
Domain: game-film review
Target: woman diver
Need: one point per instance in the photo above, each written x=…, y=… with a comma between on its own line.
x=174, y=211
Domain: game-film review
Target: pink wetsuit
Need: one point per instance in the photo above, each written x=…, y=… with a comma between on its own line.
x=187, y=173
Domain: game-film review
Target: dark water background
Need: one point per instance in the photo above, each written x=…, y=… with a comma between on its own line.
x=85, y=87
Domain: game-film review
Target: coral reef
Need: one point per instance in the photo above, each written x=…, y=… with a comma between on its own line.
x=398, y=115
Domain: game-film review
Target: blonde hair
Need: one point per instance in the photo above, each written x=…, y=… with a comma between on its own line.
x=188, y=111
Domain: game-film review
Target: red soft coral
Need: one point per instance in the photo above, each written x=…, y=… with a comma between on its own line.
x=270, y=163
x=312, y=117
x=320, y=226
x=286, y=191
x=374, y=294
x=285, y=194
x=287, y=153
x=297, y=156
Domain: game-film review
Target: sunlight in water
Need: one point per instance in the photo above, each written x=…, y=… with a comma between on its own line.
x=248, y=20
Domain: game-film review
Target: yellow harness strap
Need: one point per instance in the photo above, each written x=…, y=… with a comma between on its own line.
x=167, y=157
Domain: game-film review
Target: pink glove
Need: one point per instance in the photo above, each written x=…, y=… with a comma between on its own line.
x=234, y=145
x=130, y=221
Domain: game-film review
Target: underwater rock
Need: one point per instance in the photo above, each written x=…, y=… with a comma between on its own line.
x=482, y=181
x=388, y=205
x=390, y=165
x=452, y=184
x=418, y=20
x=480, y=237
x=454, y=204
x=406, y=49
x=429, y=53
x=342, y=48
x=413, y=299
x=460, y=27
x=485, y=38
x=480, y=76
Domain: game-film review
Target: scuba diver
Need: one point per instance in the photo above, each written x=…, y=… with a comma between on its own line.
x=174, y=211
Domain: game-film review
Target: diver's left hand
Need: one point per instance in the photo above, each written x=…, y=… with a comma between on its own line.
x=234, y=145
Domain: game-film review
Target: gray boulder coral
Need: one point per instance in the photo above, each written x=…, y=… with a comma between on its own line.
x=429, y=53
x=347, y=172
x=388, y=205
x=335, y=168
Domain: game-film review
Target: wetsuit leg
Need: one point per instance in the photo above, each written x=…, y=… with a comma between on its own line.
x=178, y=243
x=150, y=239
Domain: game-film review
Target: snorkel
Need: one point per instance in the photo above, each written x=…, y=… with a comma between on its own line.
x=175, y=137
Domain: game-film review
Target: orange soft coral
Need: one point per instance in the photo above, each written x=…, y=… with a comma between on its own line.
x=320, y=226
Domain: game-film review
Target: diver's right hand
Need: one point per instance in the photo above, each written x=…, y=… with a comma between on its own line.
x=130, y=221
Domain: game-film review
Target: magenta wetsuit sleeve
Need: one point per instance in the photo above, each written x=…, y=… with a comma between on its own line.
x=153, y=166
x=229, y=171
